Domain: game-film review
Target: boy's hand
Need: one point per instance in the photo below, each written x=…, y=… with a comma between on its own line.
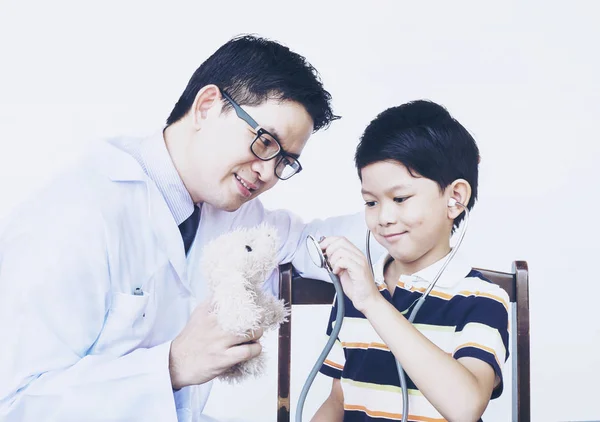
x=350, y=264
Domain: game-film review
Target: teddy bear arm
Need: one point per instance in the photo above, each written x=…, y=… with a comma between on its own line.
x=235, y=305
x=274, y=311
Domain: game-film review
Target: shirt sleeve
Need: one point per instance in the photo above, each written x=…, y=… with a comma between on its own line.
x=293, y=233
x=483, y=333
x=336, y=359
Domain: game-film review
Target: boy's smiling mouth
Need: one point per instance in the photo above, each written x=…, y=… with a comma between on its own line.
x=392, y=236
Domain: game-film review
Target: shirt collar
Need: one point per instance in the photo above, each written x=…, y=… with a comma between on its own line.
x=456, y=270
x=158, y=165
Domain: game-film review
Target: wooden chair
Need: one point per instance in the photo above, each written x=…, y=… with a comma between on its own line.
x=315, y=292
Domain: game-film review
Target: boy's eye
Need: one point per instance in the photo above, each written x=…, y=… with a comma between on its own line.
x=370, y=203
x=400, y=199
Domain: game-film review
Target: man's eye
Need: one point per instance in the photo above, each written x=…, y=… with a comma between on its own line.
x=370, y=204
x=400, y=200
x=266, y=142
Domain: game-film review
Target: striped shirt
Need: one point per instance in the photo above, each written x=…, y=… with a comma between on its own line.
x=464, y=315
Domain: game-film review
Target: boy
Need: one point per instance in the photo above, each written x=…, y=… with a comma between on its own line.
x=412, y=160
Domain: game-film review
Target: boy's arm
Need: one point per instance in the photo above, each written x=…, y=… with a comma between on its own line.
x=332, y=409
x=458, y=386
x=459, y=389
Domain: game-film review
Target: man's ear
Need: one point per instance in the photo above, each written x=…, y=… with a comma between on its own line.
x=207, y=98
x=459, y=190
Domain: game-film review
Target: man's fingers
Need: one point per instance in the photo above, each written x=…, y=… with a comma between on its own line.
x=243, y=352
x=254, y=335
x=250, y=336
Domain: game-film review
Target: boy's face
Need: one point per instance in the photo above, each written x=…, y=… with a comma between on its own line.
x=221, y=168
x=407, y=215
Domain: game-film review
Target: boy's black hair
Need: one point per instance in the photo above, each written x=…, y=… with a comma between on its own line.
x=252, y=70
x=427, y=140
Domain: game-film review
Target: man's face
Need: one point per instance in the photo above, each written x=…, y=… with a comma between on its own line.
x=221, y=169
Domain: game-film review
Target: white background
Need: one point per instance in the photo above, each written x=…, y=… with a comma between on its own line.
x=522, y=78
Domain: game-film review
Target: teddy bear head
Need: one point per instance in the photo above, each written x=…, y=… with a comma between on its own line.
x=250, y=252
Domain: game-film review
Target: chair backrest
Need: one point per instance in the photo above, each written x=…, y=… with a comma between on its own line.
x=301, y=291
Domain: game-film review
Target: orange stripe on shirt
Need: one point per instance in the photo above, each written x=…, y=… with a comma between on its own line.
x=357, y=345
x=335, y=365
x=376, y=414
x=497, y=298
x=436, y=293
x=481, y=347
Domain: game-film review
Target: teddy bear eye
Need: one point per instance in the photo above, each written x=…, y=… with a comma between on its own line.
x=248, y=248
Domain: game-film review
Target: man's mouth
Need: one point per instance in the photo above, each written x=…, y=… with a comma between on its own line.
x=246, y=187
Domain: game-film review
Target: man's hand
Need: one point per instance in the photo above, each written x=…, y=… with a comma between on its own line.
x=203, y=350
x=350, y=264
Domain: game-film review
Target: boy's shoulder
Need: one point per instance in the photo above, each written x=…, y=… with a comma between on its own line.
x=476, y=286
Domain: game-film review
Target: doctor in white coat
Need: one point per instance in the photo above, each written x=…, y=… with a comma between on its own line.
x=102, y=308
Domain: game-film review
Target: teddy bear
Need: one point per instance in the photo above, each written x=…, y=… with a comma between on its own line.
x=235, y=266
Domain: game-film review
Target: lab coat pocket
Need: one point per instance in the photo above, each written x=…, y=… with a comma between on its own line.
x=126, y=325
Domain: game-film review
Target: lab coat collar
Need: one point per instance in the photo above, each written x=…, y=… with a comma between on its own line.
x=166, y=232
x=118, y=164
x=121, y=167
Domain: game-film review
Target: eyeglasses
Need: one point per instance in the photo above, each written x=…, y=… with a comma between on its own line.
x=266, y=147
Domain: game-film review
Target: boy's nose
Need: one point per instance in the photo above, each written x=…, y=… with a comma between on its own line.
x=386, y=216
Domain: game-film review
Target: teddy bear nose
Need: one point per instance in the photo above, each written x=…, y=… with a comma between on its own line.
x=248, y=248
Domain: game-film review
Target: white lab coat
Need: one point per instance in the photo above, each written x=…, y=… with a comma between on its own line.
x=76, y=343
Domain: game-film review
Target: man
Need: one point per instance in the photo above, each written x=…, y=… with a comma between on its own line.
x=102, y=311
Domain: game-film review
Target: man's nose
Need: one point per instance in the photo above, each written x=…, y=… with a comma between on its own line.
x=265, y=169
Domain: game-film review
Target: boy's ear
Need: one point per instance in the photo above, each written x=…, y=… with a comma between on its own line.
x=460, y=190
x=207, y=97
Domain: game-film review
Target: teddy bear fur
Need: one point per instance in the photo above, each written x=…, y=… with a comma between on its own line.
x=235, y=266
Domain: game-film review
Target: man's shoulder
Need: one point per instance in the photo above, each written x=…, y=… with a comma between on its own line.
x=99, y=158
x=115, y=158
x=476, y=281
x=101, y=163
x=84, y=186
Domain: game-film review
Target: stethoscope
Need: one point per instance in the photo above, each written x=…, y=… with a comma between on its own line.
x=320, y=260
